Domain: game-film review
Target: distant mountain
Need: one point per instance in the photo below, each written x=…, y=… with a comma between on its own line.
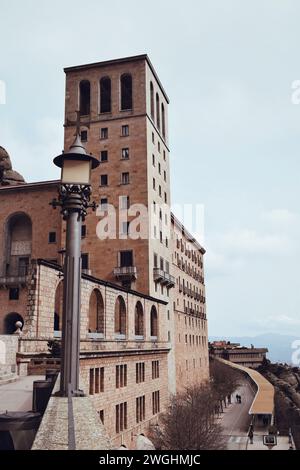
x=279, y=346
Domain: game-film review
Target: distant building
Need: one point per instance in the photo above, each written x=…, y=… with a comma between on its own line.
x=234, y=352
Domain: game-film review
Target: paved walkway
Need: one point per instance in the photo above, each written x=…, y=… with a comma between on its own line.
x=235, y=422
x=17, y=396
x=236, y=419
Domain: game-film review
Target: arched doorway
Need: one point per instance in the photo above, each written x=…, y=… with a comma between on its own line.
x=18, y=238
x=10, y=322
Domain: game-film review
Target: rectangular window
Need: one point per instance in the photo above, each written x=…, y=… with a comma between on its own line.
x=160, y=237
x=126, y=258
x=165, y=175
x=121, y=417
x=164, y=154
x=158, y=145
x=140, y=372
x=159, y=168
x=101, y=416
x=92, y=382
x=125, y=153
x=104, y=133
x=155, y=402
x=124, y=202
x=153, y=140
x=103, y=156
x=153, y=160
x=84, y=136
x=153, y=183
x=125, y=131
x=125, y=178
x=155, y=369
x=103, y=203
x=14, y=293
x=159, y=190
x=97, y=380
x=166, y=198
x=155, y=260
x=83, y=231
x=140, y=409
x=103, y=180
x=121, y=376
x=52, y=237
x=85, y=261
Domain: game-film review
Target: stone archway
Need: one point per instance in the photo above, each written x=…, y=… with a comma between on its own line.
x=10, y=322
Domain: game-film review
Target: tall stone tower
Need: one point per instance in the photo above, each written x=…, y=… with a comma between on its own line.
x=125, y=110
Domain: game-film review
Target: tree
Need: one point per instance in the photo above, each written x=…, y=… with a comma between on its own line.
x=189, y=422
x=224, y=380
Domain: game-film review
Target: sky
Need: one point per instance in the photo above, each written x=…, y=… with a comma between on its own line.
x=229, y=68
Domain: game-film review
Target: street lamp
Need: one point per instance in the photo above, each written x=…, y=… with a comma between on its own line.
x=74, y=198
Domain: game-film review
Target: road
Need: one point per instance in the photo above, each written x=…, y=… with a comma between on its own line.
x=17, y=396
x=236, y=419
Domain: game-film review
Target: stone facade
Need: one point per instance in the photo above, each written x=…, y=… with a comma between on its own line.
x=189, y=305
x=169, y=348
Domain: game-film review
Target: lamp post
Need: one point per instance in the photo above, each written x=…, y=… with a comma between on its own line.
x=74, y=199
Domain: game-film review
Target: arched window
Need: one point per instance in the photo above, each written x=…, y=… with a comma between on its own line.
x=96, y=313
x=163, y=121
x=153, y=322
x=58, y=309
x=126, y=91
x=152, y=100
x=139, y=320
x=120, y=316
x=105, y=95
x=85, y=97
x=10, y=323
x=157, y=111
x=17, y=250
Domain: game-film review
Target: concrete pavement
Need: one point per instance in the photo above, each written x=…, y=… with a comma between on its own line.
x=235, y=422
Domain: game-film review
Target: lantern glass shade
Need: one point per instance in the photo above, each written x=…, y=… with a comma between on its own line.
x=76, y=172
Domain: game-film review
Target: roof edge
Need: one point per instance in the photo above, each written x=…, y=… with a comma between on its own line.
x=104, y=63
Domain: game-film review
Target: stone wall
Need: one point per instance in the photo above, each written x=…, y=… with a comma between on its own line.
x=8, y=350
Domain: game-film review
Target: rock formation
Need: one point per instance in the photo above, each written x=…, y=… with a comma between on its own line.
x=8, y=177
